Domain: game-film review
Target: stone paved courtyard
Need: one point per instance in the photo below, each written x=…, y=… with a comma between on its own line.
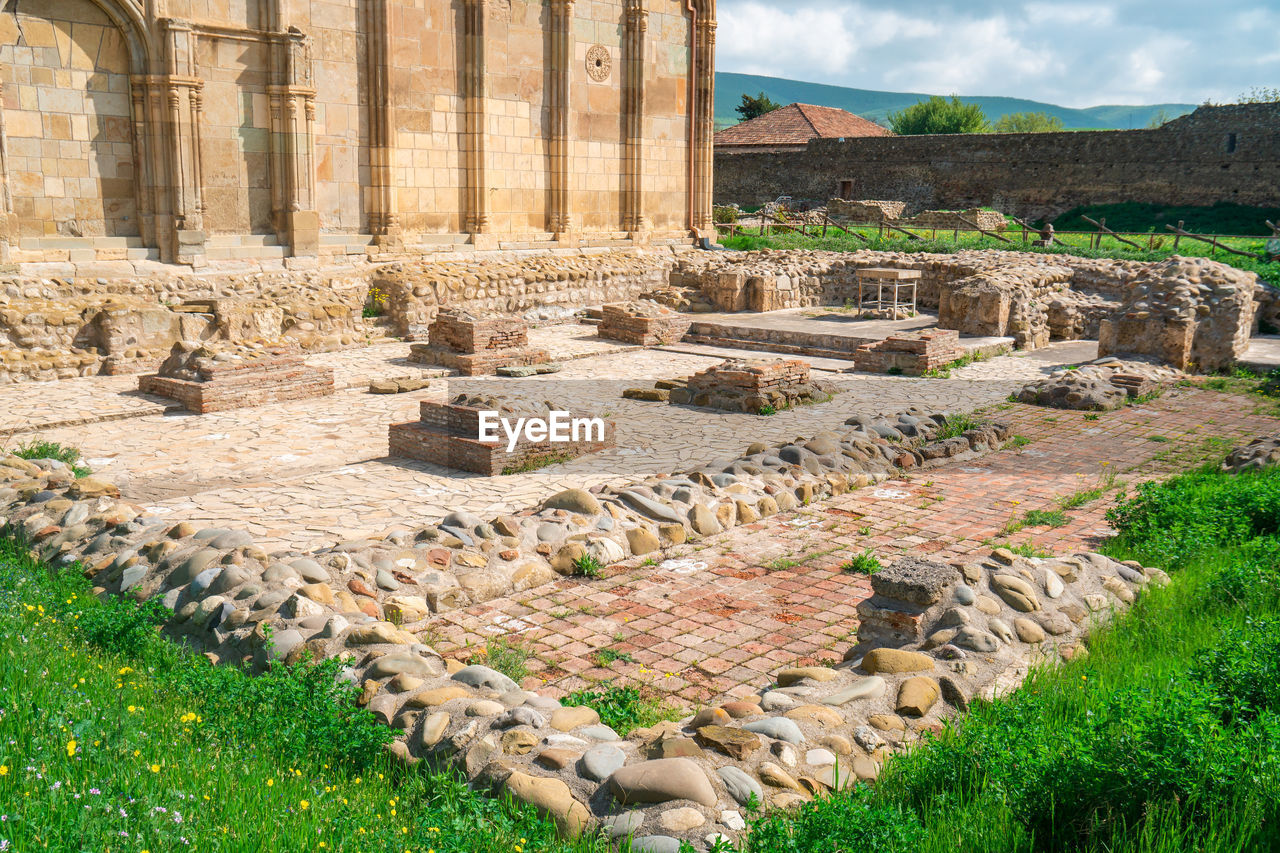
x=312, y=472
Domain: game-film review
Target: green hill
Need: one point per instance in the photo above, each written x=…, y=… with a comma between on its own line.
x=877, y=105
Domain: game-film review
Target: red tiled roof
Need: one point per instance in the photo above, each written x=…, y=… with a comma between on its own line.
x=797, y=124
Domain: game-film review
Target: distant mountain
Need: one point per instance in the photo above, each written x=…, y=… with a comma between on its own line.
x=877, y=105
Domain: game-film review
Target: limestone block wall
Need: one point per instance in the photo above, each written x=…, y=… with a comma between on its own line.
x=65, y=118
x=415, y=122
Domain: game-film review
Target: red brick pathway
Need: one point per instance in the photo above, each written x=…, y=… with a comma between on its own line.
x=715, y=618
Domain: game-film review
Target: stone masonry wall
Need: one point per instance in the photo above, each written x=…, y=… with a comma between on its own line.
x=1030, y=297
x=1216, y=154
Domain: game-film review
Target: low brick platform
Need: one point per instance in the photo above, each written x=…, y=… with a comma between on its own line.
x=476, y=346
x=909, y=353
x=750, y=386
x=241, y=384
x=644, y=323
x=448, y=434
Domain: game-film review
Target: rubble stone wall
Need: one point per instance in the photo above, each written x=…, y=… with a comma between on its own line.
x=1031, y=297
x=1227, y=154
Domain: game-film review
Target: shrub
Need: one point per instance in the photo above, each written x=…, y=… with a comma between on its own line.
x=1174, y=520
x=1244, y=668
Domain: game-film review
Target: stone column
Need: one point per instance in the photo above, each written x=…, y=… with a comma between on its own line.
x=633, y=70
x=293, y=148
x=7, y=238
x=702, y=113
x=476, y=215
x=143, y=160
x=384, y=222
x=181, y=88
x=560, y=214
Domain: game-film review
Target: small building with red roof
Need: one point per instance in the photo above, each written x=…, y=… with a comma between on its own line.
x=791, y=127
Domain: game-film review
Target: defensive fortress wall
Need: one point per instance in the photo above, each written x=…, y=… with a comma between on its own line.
x=1215, y=154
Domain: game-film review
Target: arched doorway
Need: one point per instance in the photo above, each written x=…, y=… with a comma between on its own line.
x=68, y=130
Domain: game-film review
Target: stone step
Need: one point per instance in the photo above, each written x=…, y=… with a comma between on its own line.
x=244, y=253
x=240, y=241
x=45, y=243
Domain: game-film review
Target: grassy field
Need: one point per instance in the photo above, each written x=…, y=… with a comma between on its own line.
x=1068, y=244
x=1166, y=737
x=114, y=739
x=1135, y=217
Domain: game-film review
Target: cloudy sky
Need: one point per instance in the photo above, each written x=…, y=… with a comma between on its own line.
x=1075, y=53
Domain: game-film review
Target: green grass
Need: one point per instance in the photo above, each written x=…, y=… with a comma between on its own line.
x=507, y=656
x=588, y=566
x=862, y=564
x=1136, y=218
x=957, y=425
x=36, y=449
x=1077, y=245
x=168, y=747
x=1164, y=738
x=537, y=463
x=624, y=709
x=1044, y=518
x=944, y=372
x=604, y=657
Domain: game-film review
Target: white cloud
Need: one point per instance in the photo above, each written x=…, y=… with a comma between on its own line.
x=1074, y=54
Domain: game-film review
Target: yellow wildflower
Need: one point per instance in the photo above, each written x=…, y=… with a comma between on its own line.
x=71, y=748
x=4, y=769
x=155, y=768
x=304, y=805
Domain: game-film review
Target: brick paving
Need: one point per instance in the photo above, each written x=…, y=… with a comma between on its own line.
x=713, y=618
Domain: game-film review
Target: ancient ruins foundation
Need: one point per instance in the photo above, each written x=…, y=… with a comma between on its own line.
x=643, y=322
x=475, y=345
x=752, y=385
x=214, y=379
x=449, y=435
x=909, y=353
x=933, y=638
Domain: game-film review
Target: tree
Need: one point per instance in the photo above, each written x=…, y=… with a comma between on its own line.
x=938, y=115
x=755, y=107
x=1028, y=123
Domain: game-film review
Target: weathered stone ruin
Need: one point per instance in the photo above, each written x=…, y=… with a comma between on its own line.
x=932, y=639
x=1258, y=454
x=449, y=435
x=551, y=286
x=752, y=386
x=866, y=211
x=643, y=322
x=207, y=378
x=1105, y=384
x=869, y=212
x=475, y=345
x=1203, y=307
x=909, y=353
x=1188, y=312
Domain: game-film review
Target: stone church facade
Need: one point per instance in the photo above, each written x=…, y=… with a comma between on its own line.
x=181, y=129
